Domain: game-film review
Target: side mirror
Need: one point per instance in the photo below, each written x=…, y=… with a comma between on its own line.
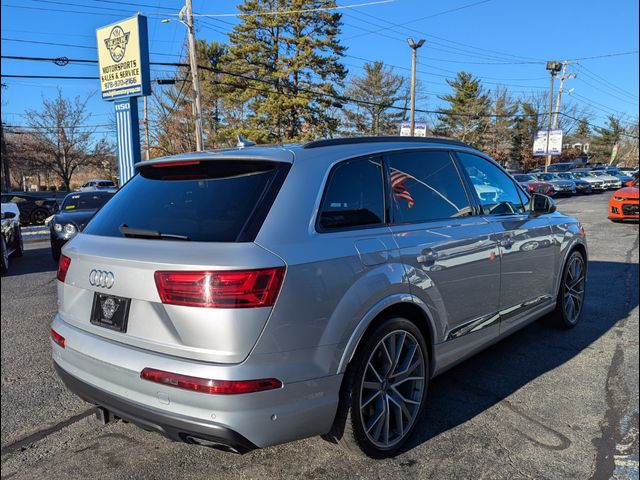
x=541, y=204
x=8, y=215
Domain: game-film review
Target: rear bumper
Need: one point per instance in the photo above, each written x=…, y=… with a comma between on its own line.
x=107, y=374
x=173, y=426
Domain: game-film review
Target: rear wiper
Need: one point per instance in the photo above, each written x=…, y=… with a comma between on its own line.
x=131, y=232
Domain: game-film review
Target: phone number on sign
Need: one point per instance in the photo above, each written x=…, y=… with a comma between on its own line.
x=120, y=83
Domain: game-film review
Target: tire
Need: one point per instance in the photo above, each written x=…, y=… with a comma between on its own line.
x=56, y=252
x=571, y=293
x=363, y=398
x=19, y=244
x=4, y=265
x=38, y=216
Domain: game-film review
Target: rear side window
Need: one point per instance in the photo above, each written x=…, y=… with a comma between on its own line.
x=210, y=201
x=426, y=186
x=354, y=196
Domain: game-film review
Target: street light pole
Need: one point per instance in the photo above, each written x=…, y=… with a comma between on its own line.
x=563, y=77
x=553, y=67
x=414, y=59
x=186, y=17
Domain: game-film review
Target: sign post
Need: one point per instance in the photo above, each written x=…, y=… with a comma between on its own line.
x=123, y=56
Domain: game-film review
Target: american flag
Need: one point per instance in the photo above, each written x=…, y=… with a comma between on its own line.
x=399, y=190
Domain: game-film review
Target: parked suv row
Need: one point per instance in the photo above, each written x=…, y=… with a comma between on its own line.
x=244, y=298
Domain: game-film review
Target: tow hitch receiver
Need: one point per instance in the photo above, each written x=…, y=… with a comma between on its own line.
x=104, y=416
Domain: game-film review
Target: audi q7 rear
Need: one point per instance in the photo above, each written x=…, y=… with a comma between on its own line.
x=250, y=297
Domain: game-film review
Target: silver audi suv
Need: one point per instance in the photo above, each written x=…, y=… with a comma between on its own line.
x=248, y=297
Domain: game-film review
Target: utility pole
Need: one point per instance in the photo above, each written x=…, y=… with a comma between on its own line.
x=563, y=77
x=554, y=67
x=145, y=121
x=6, y=178
x=186, y=17
x=414, y=59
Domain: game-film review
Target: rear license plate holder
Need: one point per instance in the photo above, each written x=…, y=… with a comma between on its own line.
x=110, y=311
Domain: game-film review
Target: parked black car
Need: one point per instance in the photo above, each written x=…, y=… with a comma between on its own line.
x=33, y=209
x=77, y=209
x=10, y=238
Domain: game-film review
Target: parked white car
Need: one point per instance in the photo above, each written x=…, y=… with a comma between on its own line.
x=97, y=185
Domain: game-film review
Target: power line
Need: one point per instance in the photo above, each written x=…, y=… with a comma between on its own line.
x=38, y=42
x=288, y=12
x=602, y=81
x=43, y=9
x=451, y=10
x=306, y=92
x=606, y=55
x=423, y=34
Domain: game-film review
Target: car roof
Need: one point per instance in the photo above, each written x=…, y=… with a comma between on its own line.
x=327, y=150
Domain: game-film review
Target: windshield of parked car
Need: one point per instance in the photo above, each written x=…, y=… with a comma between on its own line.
x=549, y=176
x=567, y=176
x=524, y=178
x=79, y=201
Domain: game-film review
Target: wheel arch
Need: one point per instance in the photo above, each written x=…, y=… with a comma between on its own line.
x=406, y=306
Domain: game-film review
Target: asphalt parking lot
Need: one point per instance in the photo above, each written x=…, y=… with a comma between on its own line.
x=545, y=403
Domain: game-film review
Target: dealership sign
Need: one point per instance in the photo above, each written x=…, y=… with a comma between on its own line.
x=123, y=56
x=419, y=130
x=547, y=145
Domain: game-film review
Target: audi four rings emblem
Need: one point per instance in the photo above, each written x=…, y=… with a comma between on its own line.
x=101, y=278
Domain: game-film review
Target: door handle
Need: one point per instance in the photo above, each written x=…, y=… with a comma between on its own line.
x=506, y=242
x=427, y=256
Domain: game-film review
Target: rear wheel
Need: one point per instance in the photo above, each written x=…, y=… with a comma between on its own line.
x=383, y=392
x=571, y=295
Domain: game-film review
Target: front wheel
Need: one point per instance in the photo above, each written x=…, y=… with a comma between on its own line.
x=4, y=266
x=19, y=243
x=383, y=391
x=571, y=294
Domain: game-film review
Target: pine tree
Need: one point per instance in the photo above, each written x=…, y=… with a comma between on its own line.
x=606, y=137
x=377, y=91
x=289, y=66
x=583, y=132
x=526, y=124
x=465, y=118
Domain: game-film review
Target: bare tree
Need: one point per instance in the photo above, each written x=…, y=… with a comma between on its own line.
x=63, y=140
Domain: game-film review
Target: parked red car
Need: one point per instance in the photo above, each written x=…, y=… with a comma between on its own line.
x=533, y=185
x=624, y=204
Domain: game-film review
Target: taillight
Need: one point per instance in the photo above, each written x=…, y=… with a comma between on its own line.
x=220, y=289
x=63, y=267
x=207, y=385
x=59, y=339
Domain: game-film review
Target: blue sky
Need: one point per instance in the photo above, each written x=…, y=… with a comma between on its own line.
x=501, y=41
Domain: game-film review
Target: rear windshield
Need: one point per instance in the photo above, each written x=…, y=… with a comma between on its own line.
x=211, y=201
x=83, y=201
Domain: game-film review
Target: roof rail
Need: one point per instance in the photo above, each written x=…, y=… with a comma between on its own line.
x=330, y=142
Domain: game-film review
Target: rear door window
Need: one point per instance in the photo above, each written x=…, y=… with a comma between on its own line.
x=426, y=186
x=209, y=201
x=354, y=196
